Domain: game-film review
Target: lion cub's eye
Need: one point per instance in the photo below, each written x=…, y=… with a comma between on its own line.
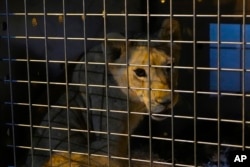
x=140, y=72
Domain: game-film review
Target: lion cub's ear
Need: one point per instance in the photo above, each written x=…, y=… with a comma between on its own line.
x=115, y=46
x=171, y=28
x=168, y=28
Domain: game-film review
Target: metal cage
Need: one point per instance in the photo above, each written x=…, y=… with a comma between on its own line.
x=61, y=105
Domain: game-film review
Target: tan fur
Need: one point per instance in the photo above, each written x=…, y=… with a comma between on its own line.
x=156, y=86
x=154, y=91
x=152, y=94
x=78, y=160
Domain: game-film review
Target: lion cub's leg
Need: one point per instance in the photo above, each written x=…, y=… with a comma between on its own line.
x=122, y=145
x=80, y=160
x=76, y=160
x=133, y=121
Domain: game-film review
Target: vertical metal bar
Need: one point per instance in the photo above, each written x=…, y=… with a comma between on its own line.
x=150, y=88
x=11, y=85
x=47, y=76
x=106, y=77
x=66, y=78
x=172, y=90
x=127, y=71
x=194, y=82
x=86, y=82
x=218, y=82
x=28, y=76
x=243, y=71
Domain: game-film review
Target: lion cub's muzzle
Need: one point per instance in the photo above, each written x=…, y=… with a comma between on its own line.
x=163, y=107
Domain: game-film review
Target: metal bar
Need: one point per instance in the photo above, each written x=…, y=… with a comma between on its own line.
x=28, y=78
x=47, y=78
x=172, y=85
x=218, y=82
x=88, y=105
x=194, y=83
x=148, y=79
x=106, y=79
x=11, y=86
x=243, y=60
x=130, y=14
x=127, y=86
x=66, y=79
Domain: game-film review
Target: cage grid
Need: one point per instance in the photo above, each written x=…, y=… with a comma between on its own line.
x=59, y=100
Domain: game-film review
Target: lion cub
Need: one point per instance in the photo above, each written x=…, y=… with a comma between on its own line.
x=139, y=80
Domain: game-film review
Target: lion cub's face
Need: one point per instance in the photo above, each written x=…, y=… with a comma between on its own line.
x=147, y=70
x=148, y=78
